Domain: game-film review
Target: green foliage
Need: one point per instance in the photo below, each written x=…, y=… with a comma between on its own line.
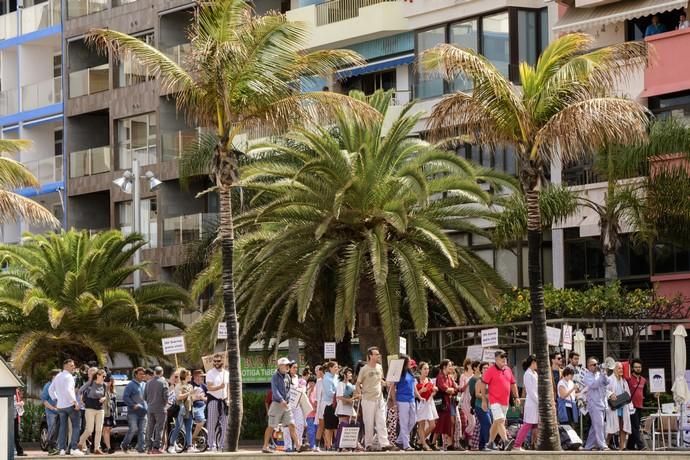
x=254, y=421
x=31, y=421
x=600, y=301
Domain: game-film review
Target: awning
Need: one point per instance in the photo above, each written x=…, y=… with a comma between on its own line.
x=376, y=66
x=576, y=19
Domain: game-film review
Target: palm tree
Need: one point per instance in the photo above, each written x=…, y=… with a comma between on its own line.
x=370, y=209
x=14, y=175
x=563, y=111
x=61, y=295
x=243, y=73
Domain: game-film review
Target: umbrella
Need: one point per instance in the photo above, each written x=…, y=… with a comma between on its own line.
x=680, y=386
x=580, y=347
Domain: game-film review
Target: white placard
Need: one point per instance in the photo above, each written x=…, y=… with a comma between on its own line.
x=222, y=330
x=173, y=345
x=568, y=337
x=395, y=368
x=294, y=396
x=403, y=346
x=489, y=355
x=349, y=436
x=553, y=336
x=657, y=380
x=474, y=353
x=490, y=337
x=329, y=350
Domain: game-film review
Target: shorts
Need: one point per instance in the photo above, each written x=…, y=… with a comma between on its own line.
x=108, y=422
x=277, y=415
x=198, y=414
x=330, y=420
x=499, y=411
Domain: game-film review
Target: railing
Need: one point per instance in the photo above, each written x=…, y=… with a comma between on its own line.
x=146, y=156
x=581, y=174
x=340, y=10
x=8, y=25
x=91, y=161
x=174, y=143
x=39, y=16
x=178, y=53
x=89, y=81
x=185, y=229
x=76, y=8
x=43, y=93
x=46, y=170
x=9, y=101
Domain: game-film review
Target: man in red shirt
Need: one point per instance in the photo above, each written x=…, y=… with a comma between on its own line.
x=636, y=383
x=501, y=382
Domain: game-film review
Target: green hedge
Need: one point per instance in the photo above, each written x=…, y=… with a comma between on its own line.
x=31, y=421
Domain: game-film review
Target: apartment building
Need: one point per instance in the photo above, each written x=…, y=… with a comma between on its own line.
x=31, y=104
x=664, y=87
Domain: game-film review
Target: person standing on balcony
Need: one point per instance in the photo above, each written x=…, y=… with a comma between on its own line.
x=683, y=23
x=655, y=27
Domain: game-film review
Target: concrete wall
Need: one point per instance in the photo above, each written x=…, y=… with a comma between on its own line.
x=8, y=69
x=37, y=62
x=89, y=211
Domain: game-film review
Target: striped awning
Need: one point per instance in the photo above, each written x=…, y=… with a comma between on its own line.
x=581, y=19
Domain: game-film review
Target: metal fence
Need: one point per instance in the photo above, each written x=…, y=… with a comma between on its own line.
x=340, y=10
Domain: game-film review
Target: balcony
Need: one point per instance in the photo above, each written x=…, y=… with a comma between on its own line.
x=8, y=25
x=89, y=81
x=146, y=155
x=77, y=8
x=43, y=93
x=88, y=162
x=174, y=143
x=9, y=102
x=46, y=170
x=40, y=16
x=667, y=72
x=343, y=22
x=185, y=229
x=178, y=53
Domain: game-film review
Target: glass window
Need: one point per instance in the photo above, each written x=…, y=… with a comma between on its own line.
x=465, y=35
x=527, y=36
x=149, y=220
x=544, y=25
x=130, y=71
x=496, y=41
x=136, y=139
x=429, y=85
x=507, y=266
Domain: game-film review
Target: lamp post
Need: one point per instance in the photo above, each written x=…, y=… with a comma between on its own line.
x=129, y=183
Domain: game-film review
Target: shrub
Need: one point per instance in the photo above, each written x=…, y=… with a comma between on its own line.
x=254, y=420
x=31, y=421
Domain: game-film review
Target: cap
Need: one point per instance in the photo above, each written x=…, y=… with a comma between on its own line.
x=500, y=353
x=283, y=361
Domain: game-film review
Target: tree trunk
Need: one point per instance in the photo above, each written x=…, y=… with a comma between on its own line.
x=227, y=238
x=548, y=429
x=610, y=269
x=368, y=323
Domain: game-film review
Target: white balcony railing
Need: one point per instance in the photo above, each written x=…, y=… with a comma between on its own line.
x=9, y=101
x=174, y=143
x=40, y=16
x=8, y=25
x=185, y=229
x=43, y=93
x=46, y=170
x=89, y=81
x=76, y=8
x=340, y=10
x=89, y=161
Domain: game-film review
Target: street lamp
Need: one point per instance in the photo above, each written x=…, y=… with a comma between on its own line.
x=129, y=183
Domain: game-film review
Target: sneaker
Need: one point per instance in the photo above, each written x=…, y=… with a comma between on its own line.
x=303, y=448
x=316, y=449
x=171, y=450
x=192, y=449
x=212, y=449
x=266, y=450
x=62, y=452
x=53, y=452
x=124, y=449
x=76, y=452
x=508, y=445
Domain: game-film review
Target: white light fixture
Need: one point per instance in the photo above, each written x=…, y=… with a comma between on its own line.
x=154, y=183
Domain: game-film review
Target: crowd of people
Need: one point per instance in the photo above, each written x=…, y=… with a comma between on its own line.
x=157, y=409
x=446, y=407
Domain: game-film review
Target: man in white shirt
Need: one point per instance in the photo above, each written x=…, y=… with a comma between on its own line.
x=370, y=387
x=67, y=405
x=217, y=383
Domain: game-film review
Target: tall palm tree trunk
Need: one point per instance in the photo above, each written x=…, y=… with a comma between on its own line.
x=548, y=430
x=369, y=329
x=227, y=239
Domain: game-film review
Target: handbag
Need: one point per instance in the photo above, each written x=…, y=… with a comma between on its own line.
x=440, y=403
x=620, y=401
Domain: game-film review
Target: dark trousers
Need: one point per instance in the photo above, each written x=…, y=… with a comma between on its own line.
x=635, y=441
x=17, y=446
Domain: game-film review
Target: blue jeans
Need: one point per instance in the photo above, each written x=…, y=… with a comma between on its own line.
x=484, y=420
x=179, y=423
x=311, y=431
x=137, y=425
x=74, y=416
x=52, y=422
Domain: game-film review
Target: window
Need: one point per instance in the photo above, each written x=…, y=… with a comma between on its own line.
x=429, y=85
x=57, y=141
x=465, y=35
x=130, y=71
x=149, y=220
x=527, y=28
x=669, y=258
x=496, y=41
x=501, y=159
x=676, y=106
x=136, y=138
x=57, y=65
x=369, y=83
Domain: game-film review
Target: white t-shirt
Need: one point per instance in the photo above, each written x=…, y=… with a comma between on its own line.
x=568, y=385
x=343, y=408
x=217, y=377
x=62, y=387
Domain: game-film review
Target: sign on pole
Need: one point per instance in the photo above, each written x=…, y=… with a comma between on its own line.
x=403, y=346
x=657, y=380
x=568, y=337
x=553, y=336
x=490, y=337
x=329, y=350
x=222, y=330
x=489, y=355
x=173, y=345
